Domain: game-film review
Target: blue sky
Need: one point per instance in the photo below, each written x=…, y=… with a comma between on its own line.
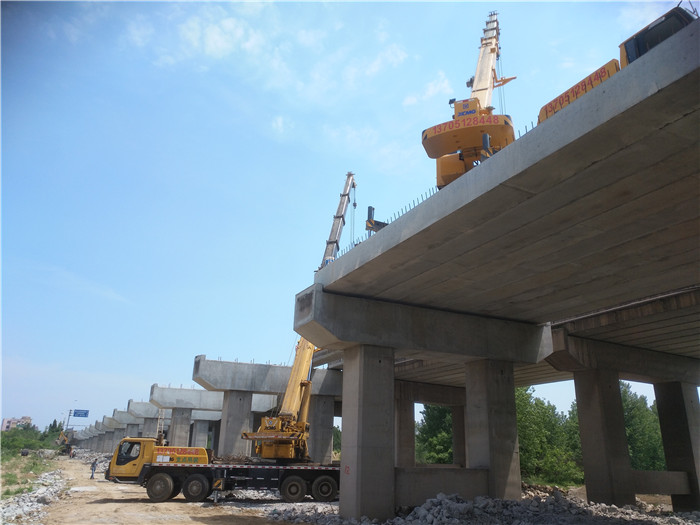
x=170, y=170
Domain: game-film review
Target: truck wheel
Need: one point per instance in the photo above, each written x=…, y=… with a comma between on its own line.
x=196, y=488
x=324, y=488
x=177, y=487
x=293, y=489
x=159, y=487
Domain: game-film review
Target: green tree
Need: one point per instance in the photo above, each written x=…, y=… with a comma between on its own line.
x=434, y=435
x=21, y=437
x=642, y=430
x=336, y=439
x=544, y=443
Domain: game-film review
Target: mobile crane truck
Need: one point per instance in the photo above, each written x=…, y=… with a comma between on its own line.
x=283, y=461
x=630, y=50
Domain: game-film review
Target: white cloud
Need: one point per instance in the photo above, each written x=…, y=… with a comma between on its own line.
x=439, y=86
x=280, y=124
x=410, y=100
x=191, y=32
x=311, y=38
x=221, y=39
x=392, y=55
x=139, y=32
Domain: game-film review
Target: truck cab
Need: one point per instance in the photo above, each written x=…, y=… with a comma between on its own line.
x=129, y=458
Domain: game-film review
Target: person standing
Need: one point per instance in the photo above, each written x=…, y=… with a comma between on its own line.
x=93, y=467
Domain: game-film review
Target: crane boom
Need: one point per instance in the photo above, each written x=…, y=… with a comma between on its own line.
x=332, y=244
x=285, y=437
x=483, y=84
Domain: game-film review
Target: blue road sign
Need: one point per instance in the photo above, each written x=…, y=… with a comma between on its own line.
x=80, y=413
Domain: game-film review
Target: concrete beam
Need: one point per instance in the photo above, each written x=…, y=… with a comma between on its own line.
x=163, y=397
x=259, y=379
x=636, y=364
x=430, y=394
x=112, y=423
x=339, y=322
x=144, y=409
x=126, y=418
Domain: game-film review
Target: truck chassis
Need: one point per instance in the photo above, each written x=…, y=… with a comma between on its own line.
x=164, y=481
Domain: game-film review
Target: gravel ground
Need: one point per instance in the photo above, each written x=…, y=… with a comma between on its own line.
x=539, y=505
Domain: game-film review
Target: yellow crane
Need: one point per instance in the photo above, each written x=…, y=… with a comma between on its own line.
x=284, y=437
x=475, y=133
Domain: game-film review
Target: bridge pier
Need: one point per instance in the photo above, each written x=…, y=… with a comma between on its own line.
x=378, y=471
x=490, y=425
x=606, y=460
x=679, y=417
x=236, y=417
x=367, y=463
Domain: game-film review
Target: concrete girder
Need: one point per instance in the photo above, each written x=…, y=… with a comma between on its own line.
x=126, y=418
x=259, y=379
x=339, y=322
x=112, y=423
x=146, y=410
x=636, y=364
x=163, y=397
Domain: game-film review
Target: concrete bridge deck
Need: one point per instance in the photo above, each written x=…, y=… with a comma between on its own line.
x=596, y=208
x=573, y=252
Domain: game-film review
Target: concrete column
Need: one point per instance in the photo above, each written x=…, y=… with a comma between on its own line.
x=200, y=434
x=679, y=417
x=321, y=409
x=132, y=429
x=459, y=446
x=405, y=432
x=119, y=434
x=99, y=444
x=150, y=427
x=490, y=425
x=108, y=441
x=179, y=434
x=606, y=460
x=367, y=471
x=235, y=419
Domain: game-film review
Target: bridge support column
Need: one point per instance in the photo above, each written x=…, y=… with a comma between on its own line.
x=606, y=459
x=679, y=417
x=491, y=426
x=132, y=430
x=405, y=431
x=321, y=410
x=367, y=469
x=179, y=433
x=459, y=446
x=236, y=417
x=200, y=434
x=150, y=427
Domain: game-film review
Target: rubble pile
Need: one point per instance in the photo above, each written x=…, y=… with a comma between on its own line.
x=540, y=509
x=28, y=507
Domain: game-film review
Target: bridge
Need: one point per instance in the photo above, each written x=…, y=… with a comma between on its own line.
x=572, y=253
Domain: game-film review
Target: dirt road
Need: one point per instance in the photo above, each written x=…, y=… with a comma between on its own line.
x=97, y=501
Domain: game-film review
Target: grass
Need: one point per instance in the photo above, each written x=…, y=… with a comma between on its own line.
x=20, y=472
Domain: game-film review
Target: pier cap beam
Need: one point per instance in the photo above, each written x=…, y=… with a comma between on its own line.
x=163, y=397
x=144, y=410
x=126, y=418
x=260, y=379
x=338, y=322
